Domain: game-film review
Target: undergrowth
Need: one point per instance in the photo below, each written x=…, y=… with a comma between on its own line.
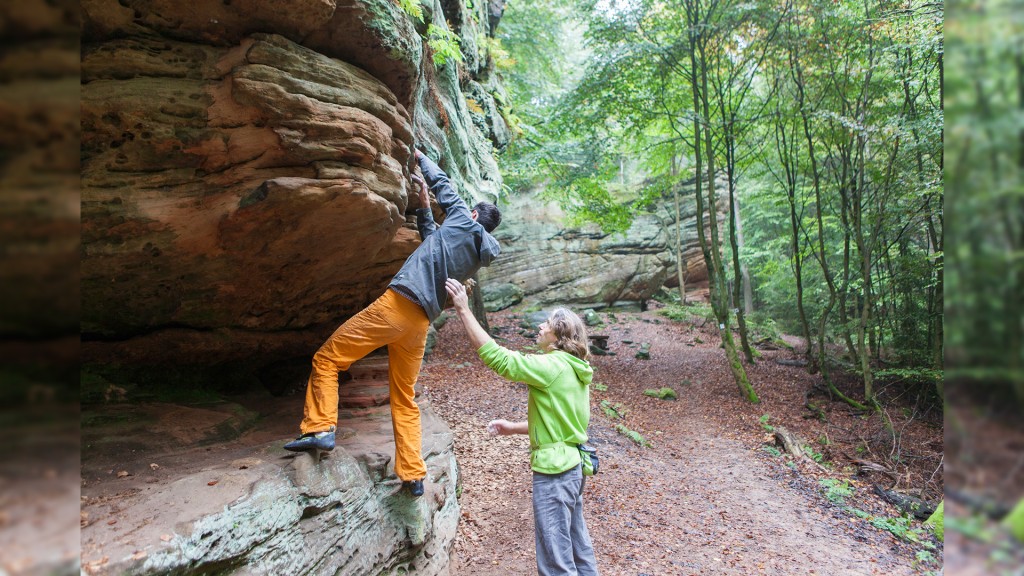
x=633, y=435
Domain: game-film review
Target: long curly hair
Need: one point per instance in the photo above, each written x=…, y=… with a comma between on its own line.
x=570, y=333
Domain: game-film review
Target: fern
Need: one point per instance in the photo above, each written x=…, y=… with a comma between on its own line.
x=445, y=45
x=664, y=393
x=492, y=46
x=837, y=490
x=412, y=8
x=612, y=411
x=633, y=435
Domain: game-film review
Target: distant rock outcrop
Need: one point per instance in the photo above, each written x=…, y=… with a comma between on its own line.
x=585, y=267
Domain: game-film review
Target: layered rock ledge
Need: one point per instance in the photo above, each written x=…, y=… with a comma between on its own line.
x=197, y=489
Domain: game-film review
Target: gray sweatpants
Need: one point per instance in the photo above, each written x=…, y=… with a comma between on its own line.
x=563, y=544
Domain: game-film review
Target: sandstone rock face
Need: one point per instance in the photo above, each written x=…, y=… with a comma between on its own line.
x=585, y=267
x=245, y=169
x=214, y=201
x=499, y=296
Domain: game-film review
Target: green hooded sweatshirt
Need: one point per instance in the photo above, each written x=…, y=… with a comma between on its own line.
x=559, y=403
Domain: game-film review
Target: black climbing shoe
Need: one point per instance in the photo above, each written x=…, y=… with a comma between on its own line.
x=415, y=487
x=323, y=441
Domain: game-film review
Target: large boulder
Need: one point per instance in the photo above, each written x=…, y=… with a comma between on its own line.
x=245, y=168
x=244, y=173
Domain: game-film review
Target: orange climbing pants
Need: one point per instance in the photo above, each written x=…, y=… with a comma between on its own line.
x=402, y=325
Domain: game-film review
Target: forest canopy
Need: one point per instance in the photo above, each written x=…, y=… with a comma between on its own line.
x=818, y=124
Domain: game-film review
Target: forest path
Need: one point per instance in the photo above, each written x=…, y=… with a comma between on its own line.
x=705, y=498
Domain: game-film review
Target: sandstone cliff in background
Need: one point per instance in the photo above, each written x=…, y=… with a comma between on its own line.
x=545, y=262
x=245, y=166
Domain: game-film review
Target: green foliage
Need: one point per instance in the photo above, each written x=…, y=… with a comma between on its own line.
x=600, y=387
x=592, y=199
x=1015, y=521
x=760, y=326
x=901, y=528
x=937, y=521
x=828, y=120
x=976, y=527
x=983, y=177
x=911, y=375
x=636, y=437
x=763, y=421
x=772, y=450
x=924, y=557
x=412, y=8
x=544, y=42
x=445, y=45
x=692, y=313
x=492, y=47
x=612, y=411
x=837, y=491
x=664, y=393
x=816, y=456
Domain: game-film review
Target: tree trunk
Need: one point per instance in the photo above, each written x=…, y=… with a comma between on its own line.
x=822, y=253
x=734, y=219
x=680, y=261
x=844, y=292
x=789, y=164
x=864, y=248
x=717, y=279
x=711, y=259
x=748, y=290
x=476, y=304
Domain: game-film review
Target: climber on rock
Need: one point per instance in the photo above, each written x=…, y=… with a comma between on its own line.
x=399, y=319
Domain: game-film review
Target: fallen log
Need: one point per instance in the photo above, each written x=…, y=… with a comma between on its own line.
x=866, y=466
x=793, y=445
x=816, y=412
x=905, y=502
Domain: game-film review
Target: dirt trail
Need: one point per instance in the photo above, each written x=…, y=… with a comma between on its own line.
x=704, y=499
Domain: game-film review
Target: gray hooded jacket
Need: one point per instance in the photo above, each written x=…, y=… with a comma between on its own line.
x=455, y=250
